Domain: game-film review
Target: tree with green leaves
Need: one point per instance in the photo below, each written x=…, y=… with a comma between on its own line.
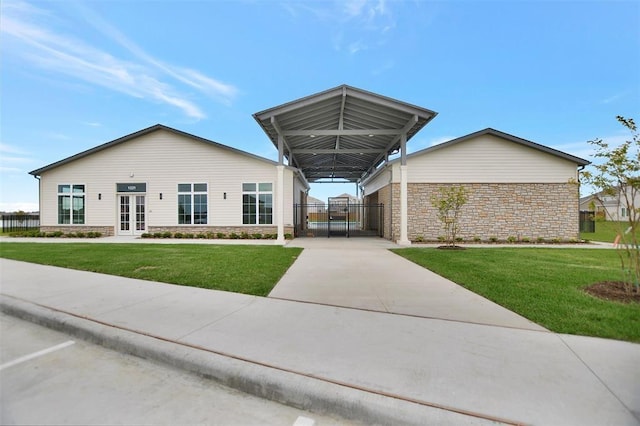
x=449, y=202
x=615, y=173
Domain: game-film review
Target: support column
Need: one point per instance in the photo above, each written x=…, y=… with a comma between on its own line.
x=404, y=239
x=280, y=204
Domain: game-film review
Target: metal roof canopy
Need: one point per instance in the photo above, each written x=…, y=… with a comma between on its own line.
x=341, y=134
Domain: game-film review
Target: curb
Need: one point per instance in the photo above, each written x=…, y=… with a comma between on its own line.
x=289, y=388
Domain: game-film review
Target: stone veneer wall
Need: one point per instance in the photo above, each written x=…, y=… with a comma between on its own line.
x=534, y=210
x=106, y=231
x=225, y=229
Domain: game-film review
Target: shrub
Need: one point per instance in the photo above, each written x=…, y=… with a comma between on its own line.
x=493, y=239
x=256, y=236
x=441, y=238
x=556, y=240
x=178, y=235
x=221, y=235
x=459, y=239
x=189, y=236
x=234, y=236
x=419, y=239
x=157, y=235
x=526, y=239
x=145, y=235
x=166, y=234
x=287, y=236
x=201, y=236
x=540, y=239
x=511, y=239
x=477, y=239
x=244, y=236
x=81, y=234
x=210, y=235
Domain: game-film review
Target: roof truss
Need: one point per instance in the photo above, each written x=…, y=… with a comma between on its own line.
x=342, y=133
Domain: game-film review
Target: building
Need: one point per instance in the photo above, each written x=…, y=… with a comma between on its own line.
x=611, y=206
x=162, y=179
x=516, y=189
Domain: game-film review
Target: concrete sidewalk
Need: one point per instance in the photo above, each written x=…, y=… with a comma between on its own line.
x=362, y=273
x=368, y=366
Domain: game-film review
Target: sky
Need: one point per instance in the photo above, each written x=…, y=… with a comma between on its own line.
x=77, y=74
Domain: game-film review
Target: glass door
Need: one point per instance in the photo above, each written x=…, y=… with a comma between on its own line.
x=132, y=214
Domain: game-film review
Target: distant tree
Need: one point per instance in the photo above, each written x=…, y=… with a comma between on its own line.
x=449, y=202
x=616, y=173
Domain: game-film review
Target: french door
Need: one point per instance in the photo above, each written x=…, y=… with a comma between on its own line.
x=132, y=218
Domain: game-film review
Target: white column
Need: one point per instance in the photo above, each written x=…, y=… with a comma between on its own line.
x=404, y=240
x=280, y=204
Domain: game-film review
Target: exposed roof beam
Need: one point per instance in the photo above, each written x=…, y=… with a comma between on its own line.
x=292, y=159
x=412, y=121
x=337, y=151
x=343, y=132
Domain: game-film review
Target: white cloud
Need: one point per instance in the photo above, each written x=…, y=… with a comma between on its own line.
x=68, y=55
x=10, y=149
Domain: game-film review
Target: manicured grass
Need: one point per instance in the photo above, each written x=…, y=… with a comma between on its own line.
x=239, y=268
x=605, y=232
x=541, y=284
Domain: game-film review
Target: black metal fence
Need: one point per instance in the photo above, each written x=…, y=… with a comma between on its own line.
x=20, y=222
x=338, y=220
x=587, y=221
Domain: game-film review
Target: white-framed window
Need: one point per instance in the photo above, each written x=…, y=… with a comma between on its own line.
x=257, y=203
x=71, y=209
x=624, y=212
x=192, y=204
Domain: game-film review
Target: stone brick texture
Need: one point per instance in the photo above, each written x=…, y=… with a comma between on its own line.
x=224, y=229
x=106, y=231
x=493, y=211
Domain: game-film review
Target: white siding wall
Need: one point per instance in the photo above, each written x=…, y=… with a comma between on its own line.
x=487, y=159
x=161, y=160
x=378, y=182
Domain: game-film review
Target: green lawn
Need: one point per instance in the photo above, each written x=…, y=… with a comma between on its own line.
x=605, y=232
x=541, y=284
x=239, y=268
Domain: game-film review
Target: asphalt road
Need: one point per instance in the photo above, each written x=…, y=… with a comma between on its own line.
x=48, y=378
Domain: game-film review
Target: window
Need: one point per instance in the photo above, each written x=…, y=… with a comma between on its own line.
x=70, y=204
x=192, y=203
x=257, y=203
x=625, y=212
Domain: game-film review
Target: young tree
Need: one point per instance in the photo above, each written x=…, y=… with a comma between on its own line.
x=449, y=202
x=616, y=173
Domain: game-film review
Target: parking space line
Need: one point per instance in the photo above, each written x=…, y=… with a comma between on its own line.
x=36, y=354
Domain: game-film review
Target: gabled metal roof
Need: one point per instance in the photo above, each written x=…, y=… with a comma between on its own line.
x=493, y=132
x=137, y=134
x=343, y=133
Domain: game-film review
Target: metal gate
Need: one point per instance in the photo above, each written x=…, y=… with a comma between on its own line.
x=338, y=218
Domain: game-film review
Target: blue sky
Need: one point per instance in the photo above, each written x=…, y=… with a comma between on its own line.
x=78, y=74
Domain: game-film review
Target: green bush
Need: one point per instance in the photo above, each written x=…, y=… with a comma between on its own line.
x=511, y=239
x=493, y=239
x=244, y=236
x=287, y=236
x=419, y=239
x=540, y=240
x=477, y=239
x=234, y=236
x=221, y=235
x=526, y=239
x=166, y=234
x=178, y=235
x=256, y=236
x=146, y=235
x=189, y=236
x=201, y=236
